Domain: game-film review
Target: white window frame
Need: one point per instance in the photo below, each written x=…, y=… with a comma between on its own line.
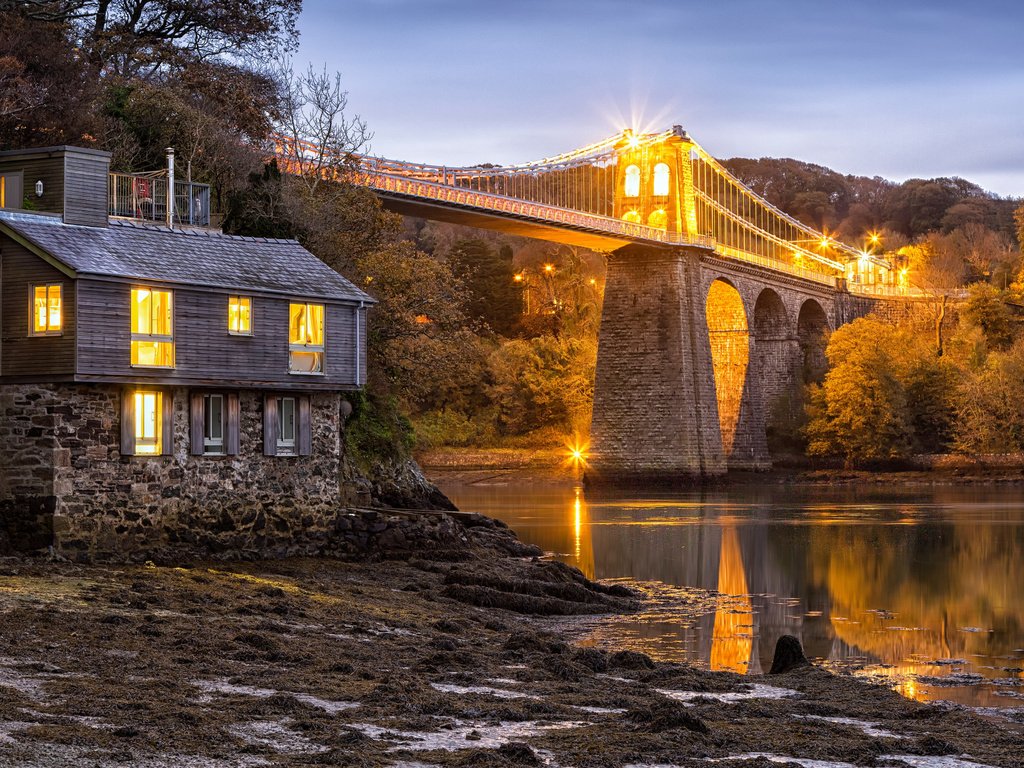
x=287, y=446
x=213, y=446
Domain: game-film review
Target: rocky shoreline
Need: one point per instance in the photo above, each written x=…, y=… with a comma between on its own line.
x=438, y=654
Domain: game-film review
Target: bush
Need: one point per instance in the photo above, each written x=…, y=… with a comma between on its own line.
x=376, y=430
x=448, y=427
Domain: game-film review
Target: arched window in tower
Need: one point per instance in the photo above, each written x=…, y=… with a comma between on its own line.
x=632, y=181
x=661, y=178
x=658, y=218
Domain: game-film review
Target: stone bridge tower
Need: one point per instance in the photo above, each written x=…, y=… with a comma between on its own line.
x=654, y=183
x=695, y=350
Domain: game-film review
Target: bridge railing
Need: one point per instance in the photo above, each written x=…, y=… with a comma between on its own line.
x=775, y=264
x=489, y=201
x=901, y=291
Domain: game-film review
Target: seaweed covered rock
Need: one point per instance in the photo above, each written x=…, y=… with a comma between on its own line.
x=789, y=654
x=533, y=588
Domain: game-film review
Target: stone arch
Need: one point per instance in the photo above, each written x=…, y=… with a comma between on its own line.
x=729, y=335
x=812, y=332
x=777, y=364
x=771, y=320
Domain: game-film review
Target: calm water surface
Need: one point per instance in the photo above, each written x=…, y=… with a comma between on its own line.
x=925, y=589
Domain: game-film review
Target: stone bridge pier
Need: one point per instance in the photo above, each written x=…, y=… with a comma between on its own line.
x=695, y=352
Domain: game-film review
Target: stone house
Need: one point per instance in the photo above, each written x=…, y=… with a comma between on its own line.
x=162, y=387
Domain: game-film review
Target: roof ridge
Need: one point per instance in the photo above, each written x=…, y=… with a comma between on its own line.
x=198, y=232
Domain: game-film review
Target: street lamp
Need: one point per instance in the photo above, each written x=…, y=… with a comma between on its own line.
x=522, y=279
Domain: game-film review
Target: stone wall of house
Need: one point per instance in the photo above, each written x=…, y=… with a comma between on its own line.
x=28, y=454
x=63, y=480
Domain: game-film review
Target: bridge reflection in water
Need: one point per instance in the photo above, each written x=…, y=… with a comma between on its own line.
x=864, y=580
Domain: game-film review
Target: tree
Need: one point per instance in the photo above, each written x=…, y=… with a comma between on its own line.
x=1018, y=218
x=143, y=39
x=936, y=268
x=986, y=309
x=46, y=92
x=496, y=299
x=541, y=382
x=421, y=342
x=884, y=396
x=989, y=410
x=320, y=138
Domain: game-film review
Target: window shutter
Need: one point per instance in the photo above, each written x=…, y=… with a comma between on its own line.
x=232, y=424
x=195, y=415
x=305, y=441
x=167, y=425
x=127, y=422
x=270, y=425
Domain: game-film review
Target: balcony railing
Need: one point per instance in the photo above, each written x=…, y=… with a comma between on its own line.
x=144, y=197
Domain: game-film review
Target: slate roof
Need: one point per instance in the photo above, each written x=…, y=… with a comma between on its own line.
x=184, y=256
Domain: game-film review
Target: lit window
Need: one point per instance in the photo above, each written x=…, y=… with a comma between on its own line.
x=632, y=216
x=46, y=310
x=306, y=338
x=632, y=181
x=152, y=334
x=213, y=423
x=661, y=177
x=658, y=219
x=286, y=426
x=240, y=315
x=148, y=426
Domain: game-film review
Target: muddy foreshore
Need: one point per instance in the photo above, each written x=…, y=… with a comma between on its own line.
x=443, y=657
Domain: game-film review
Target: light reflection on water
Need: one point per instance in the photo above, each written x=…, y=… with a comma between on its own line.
x=882, y=582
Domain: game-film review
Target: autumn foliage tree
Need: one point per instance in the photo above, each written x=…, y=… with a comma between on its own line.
x=886, y=395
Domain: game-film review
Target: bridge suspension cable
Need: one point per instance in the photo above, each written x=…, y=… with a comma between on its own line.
x=584, y=188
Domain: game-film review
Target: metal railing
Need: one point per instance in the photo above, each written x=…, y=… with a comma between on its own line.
x=144, y=197
x=615, y=228
x=887, y=290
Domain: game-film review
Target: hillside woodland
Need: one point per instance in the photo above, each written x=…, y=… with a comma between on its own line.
x=483, y=339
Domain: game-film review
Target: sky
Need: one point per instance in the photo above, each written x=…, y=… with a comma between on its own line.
x=896, y=88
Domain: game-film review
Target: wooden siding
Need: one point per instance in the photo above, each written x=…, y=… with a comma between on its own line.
x=74, y=182
x=49, y=169
x=21, y=355
x=205, y=353
x=85, y=189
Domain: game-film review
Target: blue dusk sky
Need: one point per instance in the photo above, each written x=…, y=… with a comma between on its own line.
x=900, y=89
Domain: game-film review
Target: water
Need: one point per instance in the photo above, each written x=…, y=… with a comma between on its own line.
x=921, y=589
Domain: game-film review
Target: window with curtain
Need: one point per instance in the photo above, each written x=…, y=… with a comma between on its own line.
x=306, y=338
x=46, y=310
x=240, y=315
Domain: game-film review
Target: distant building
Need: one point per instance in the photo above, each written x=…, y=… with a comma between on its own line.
x=161, y=387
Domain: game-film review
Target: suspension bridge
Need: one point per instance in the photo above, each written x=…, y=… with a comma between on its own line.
x=716, y=303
